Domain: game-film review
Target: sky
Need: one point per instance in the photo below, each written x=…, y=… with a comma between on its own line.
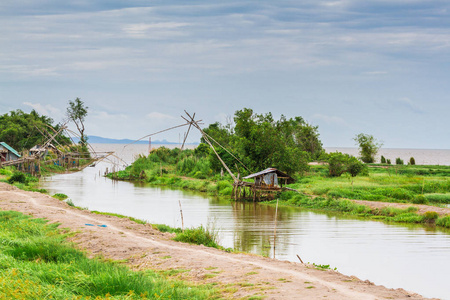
x=379, y=67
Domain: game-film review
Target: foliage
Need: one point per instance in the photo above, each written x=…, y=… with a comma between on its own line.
x=368, y=147
x=260, y=141
x=37, y=263
x=383, y=159
x=412, y=161
x=409, y=184
x=399, y=161
x=60, y=196
x=23, y=131
x=388, y=161
x=77, y=112
x=199, y=236
x=17, y=177
x=339, y=163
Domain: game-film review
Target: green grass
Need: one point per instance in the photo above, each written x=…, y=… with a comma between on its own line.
x=404, y=184
x=347, y=207
x=37, y=263
x=60, y=196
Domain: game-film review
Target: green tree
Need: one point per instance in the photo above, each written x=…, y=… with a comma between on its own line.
x=339, y=163
x=22, y=130
x=368, y=147
x=77, y=113
x=260, y=141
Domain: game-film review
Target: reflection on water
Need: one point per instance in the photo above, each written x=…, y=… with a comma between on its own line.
x=408, y=257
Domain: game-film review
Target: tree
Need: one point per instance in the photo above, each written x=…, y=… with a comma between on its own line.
x=339, y=163
x=368, y=147
x=77, y=112
x=23, y=131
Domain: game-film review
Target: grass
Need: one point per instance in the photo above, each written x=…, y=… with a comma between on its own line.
x=404, y=184
x=60, y=196
x=347, y=207
x=36, y=263
x=175, y=168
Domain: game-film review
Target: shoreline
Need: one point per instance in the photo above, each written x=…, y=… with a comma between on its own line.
x=143, y=247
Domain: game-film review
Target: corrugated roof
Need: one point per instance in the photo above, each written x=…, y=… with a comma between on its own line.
x=270, y=170
x=10, y=148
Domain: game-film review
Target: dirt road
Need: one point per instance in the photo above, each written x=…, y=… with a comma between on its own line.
x=238, y=275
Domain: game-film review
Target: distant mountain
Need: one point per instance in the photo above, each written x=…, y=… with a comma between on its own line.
x=92, y=139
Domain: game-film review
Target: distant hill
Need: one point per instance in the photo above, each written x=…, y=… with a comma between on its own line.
x=93, y=139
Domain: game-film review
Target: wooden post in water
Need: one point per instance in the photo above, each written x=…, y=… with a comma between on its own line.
x=181, y=213
x=275, y=230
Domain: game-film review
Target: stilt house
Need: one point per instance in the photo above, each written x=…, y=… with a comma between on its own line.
x=267, y=183
x=7, y=153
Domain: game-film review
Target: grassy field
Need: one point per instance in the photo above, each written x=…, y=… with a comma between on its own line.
x=403, y=184
x=37, y=263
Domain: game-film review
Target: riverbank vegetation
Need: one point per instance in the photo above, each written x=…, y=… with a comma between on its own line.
x=20, y=180
x=328, y=186
x=38, y=263
x=254, y=142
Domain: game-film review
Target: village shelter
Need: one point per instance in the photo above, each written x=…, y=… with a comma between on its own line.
x=270, y=178
x=7, y=153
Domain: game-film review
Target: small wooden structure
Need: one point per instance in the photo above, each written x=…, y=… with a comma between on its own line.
x=7, y=153
x=267, y=183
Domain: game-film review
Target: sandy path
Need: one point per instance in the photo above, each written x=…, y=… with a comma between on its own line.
x=240, y=275
x=442, y=211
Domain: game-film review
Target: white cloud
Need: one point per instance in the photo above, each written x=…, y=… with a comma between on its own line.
x=375, y=73
x=154, y=30
x=159, y=116
x=103, y=115
x=410, y=105
x=330, y=119
x=46, y=109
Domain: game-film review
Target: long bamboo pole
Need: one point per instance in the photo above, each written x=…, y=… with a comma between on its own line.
x=194, y=123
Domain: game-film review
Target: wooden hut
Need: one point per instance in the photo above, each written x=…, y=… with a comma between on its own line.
x=7, y=153
x=266, y=184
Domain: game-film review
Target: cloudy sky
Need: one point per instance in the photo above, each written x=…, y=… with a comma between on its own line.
x=375, y=66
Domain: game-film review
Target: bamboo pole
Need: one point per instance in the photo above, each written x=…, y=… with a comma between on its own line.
x=209, y=143
x=181, y=213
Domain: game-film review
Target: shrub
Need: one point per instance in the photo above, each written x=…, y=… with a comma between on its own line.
x=200, y=236
x=412, y=161
x=388, y=161
x=17, y=177
x=420, y=199
x=383, y=159
x=430, y=216
x=60, y=196
x=398, y=161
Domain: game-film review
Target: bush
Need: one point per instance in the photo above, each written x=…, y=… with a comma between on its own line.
x=420, y=199
x=17, y=177
x=199, y=236
x=430, y=216
x=383, y=159
x=398, y=161
x=339, y=163
x=412, y=161
x=388, y=161
x=60, y=196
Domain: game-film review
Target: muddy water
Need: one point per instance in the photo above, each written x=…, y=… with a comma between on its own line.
x=406, y=257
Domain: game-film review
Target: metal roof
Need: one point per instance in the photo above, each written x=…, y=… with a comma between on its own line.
x=270, y=170
x=10, y=148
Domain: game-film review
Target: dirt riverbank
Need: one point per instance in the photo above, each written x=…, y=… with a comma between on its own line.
x=238, y=275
